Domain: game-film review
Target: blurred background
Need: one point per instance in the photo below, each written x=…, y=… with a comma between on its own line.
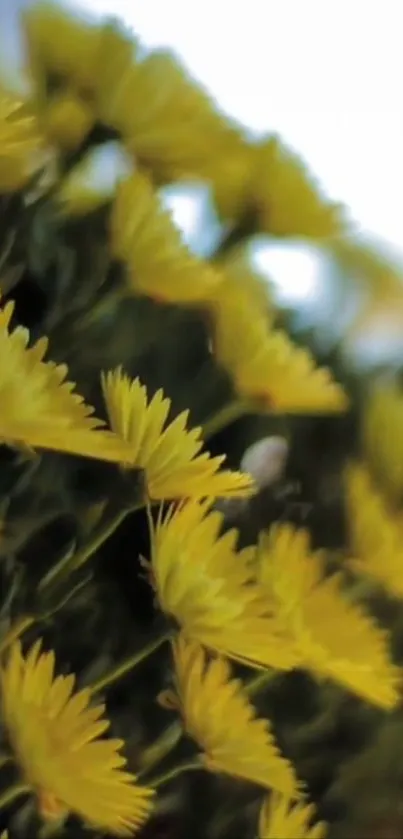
x=325, y=75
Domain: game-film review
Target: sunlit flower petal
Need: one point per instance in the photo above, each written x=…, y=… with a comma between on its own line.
x=376, y=532
x=281, y=819
x=39, y=408
x=145, y=238
x=21, y=145
x=64, y=40
x=218, y=715
x=55, y=735
x=287, y=199
x=335, y=637
x=67, y=120
x=208, y=588
x=383, y=437
x=169, y=453
x=267, y=367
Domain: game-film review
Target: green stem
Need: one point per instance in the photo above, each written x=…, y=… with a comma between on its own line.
x=130, y=663
x=4, y=759
x=12, y=793
x=71, y=563
x=16, y=631
x=173, y=773
x=260, y=681
x=225, y=416
x=161, y=747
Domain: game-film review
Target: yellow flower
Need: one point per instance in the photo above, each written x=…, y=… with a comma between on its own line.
x=242, y=289
x=267, y=367
x=166, y=118
x=280, y=819
x=376, y=533
x=115, y=79
x=21, y=148
x=39, y=409
x=383, y=437
x=286, y=197
x=208, y=588
x=378, y=274
x=65, y=42
x=67, y=120
x=57, y=739
x=145, y=238
x=217, y=714
x=168, y=453
x=335, y=638
x=229, y=174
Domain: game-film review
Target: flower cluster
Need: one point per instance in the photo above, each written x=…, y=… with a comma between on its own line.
x=104, y=126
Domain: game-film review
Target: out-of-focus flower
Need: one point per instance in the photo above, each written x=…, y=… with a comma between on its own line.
x=65, y=41
x=145, y=238
x=39, y=408
x=115, y=80
x=218, y=715
x=243, y=287
x=57, y=737
x=208, y=588
x=287, y=199
x=383, y=437
x=21, y=144
x=281, y=819
x=169, y=453
x=164, y=115
x=230, y=175
x=93, y=181
x=335, y=638
x=267, y=367
x=376, y=532
x=67, y=120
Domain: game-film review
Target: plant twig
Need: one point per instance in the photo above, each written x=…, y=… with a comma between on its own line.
x=71, y=563
x=12, y=793
x=225, y=416
x=161, y=747
x=16, y=631
x=173, y=773
x=262, y=678
x=130, y=663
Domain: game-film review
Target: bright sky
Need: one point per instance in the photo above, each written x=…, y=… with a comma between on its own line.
x=326, y=74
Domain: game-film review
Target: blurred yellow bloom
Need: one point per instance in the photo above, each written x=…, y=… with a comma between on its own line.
x=166, y=118
x=335, y=638
x=267, y=367
x=21, y=146
x=382, y=433
x=57, y=737
x=376, y=532
x=145, y=238
x=242, y=289
x=115, y=82
x=39, y=408
x=230, y=175
x=281, y=819
x=64, y=41
x=379, y=277
x=287, y=199
x=208, y=588
x=67, y=120
x=218, y=715
x=168, y=453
